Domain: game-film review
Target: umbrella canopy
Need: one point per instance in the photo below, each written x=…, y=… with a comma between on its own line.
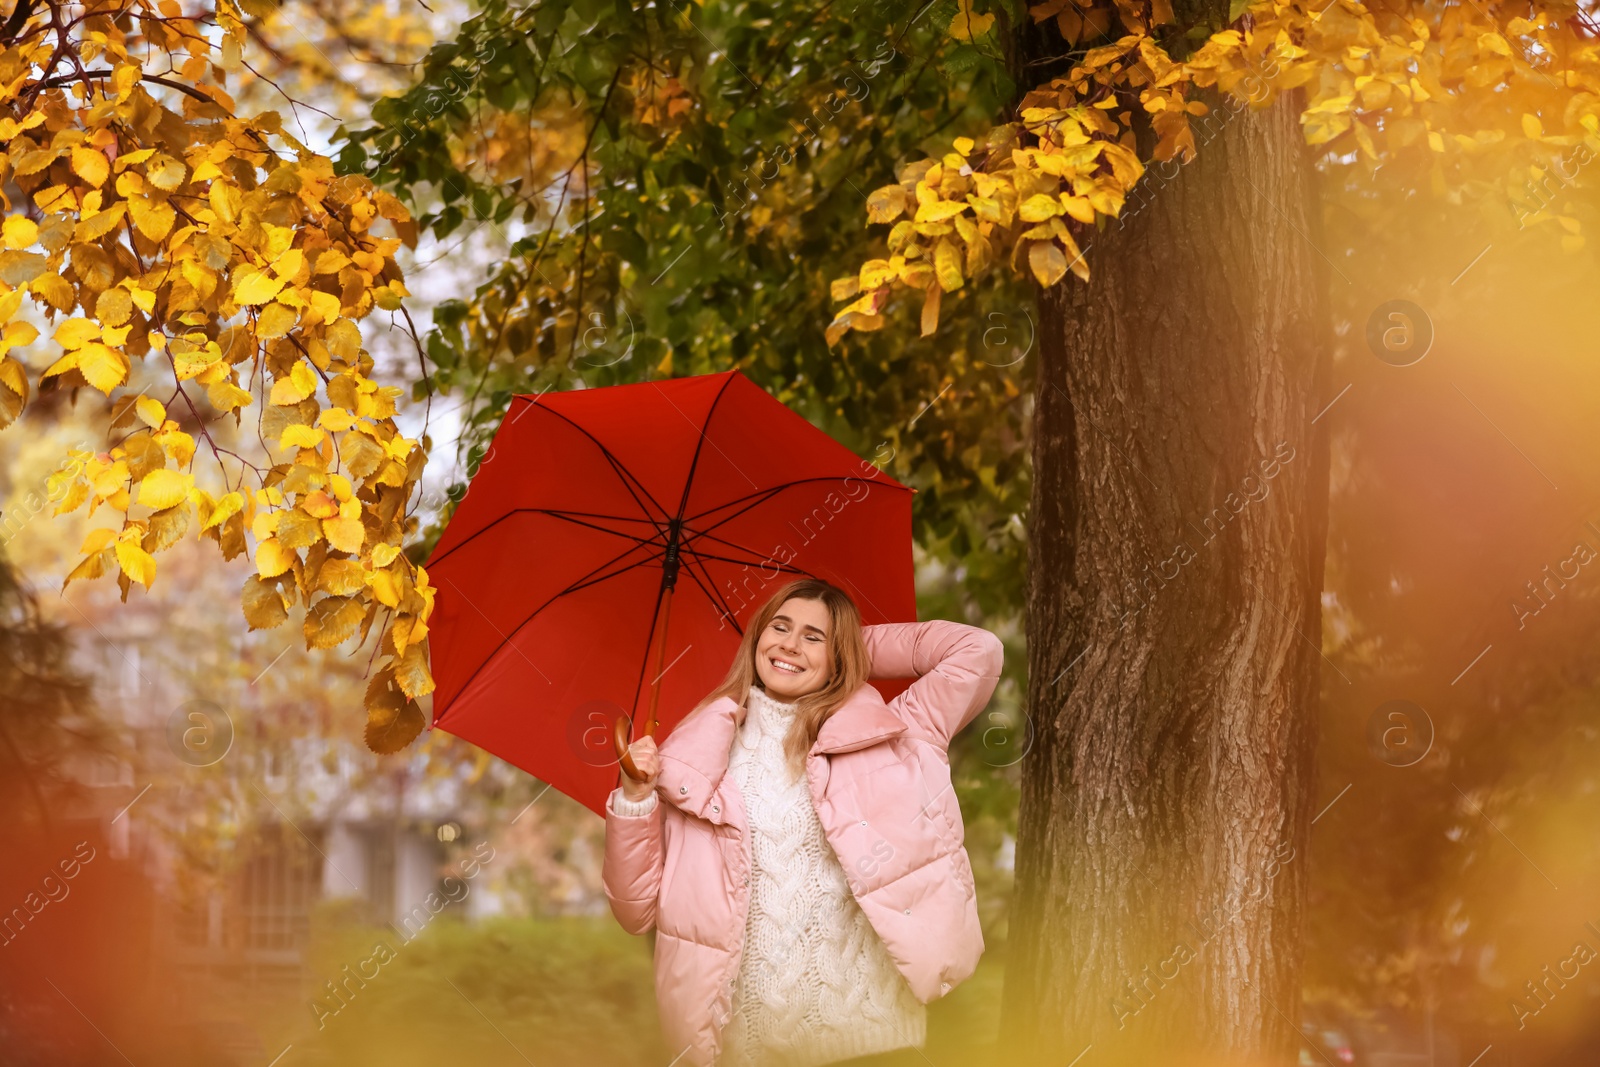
x=589, y=506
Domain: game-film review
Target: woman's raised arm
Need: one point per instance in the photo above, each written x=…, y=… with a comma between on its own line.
x=956, y=666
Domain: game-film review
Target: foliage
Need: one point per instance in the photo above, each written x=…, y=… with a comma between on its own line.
x=226, y=248
x=161, y=229
x=673, y=186
x=1445, y=98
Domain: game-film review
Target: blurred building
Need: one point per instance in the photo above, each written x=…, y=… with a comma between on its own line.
x=241, y=855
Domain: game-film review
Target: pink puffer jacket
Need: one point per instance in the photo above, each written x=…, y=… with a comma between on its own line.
x=880, y=781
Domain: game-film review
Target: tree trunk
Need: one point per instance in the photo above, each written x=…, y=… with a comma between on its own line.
x=1176, y=544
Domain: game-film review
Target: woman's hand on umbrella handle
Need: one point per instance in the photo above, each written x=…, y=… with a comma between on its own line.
x=639, y=780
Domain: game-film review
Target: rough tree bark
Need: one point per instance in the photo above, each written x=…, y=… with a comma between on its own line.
x=1176, y=548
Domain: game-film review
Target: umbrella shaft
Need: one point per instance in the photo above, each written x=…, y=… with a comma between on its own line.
x=669, y=565
x=661, y=655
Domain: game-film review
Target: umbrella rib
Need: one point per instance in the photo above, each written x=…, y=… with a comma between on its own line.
x=644, y=661
x=683, y=502
x=709, y=587
x=773, y=491
x=764, y=496
x=559, y=514
x=695, y=534
x=574, y=587
x=694, y=462
x=505, y=639
x=568, y=516
x=760, y=562
x=629, y=480
x=716, y=594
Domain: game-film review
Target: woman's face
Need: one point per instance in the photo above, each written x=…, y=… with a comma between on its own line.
x=792, y=653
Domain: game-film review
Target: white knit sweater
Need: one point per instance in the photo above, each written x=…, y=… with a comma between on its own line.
x=815, y=983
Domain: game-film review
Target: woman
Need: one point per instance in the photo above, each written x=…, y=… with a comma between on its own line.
x=797, y=845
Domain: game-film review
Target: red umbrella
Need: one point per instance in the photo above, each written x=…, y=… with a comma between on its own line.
x=613, y=544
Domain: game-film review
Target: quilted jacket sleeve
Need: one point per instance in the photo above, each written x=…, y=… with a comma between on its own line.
x=956, y=666
x=631, y=871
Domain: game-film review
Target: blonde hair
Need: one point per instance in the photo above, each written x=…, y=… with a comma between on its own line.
x=846, y=656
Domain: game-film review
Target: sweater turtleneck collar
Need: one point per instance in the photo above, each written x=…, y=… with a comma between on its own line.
x=771, y=703
x=766, y=716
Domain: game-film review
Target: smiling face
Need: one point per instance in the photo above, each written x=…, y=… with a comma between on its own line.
x=792, y=653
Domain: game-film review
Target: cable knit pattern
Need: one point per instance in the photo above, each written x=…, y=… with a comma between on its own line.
x=815, y=982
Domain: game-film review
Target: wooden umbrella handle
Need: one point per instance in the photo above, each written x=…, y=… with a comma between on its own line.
x=619, y=732
x=620, y=737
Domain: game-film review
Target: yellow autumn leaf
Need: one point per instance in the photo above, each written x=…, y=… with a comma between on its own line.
x=135, y=562
x=20, y=232
x=287, y=265
x=90, y=164
x=326, y=306
x=411, y=672
x=320, y=504
x=151, y=412
x=178, y=445
x=336, y=419
x=1048, y=262
x=255, y=287
x=272, y=558
x=165, y=173
x=113, y=308
x=930, y=310
x=332, y=621
x=226, y=201
x=275, y=320
x=385, y=589
x=74, y=332
x=939, y=210
x=344, y=534
x=1077, y=208
x=103, y=367
x=227, y=506
x=299, y=384
x=886, y=204
x=226, y=396
x=946, y=265
x=392, y=724
x=67, y=362
x=341, y=577
x=153, y=218
x=874, y=272
x=1493, y=42
x=1038, y=208
x=400, y=634
x=97, y=540
x=302, y=436
x=93, y=567
x=967, y=25
x=263, y=604
x=164, y=488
